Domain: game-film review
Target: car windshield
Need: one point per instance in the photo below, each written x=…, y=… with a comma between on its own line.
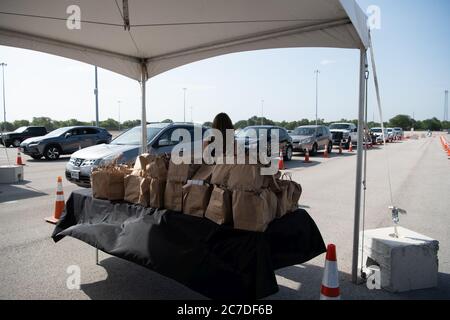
x=304, y=131
x=57, y=132
x=340, y=126
x=389, y=130
x=249, y=132
x=377, y=130
x=20, y=130
x=133, y=136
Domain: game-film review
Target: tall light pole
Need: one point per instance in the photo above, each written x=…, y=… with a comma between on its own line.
x=184, y=105
x=119, y=112
x=96, y=97
x=317, y=95
x=446, y=106
x=191, y=115
x=262, y=112
x=4, y=99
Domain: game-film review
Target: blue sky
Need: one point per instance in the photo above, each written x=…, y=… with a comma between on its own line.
x=412, y=50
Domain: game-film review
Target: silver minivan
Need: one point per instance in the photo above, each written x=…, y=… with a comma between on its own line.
x=312, y=138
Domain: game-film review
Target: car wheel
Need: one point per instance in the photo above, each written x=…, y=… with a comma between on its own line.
x=288, y=156
x=314, y=149
x=330, y=147
x=16, y=143
x=52, y=152
x=36, y=157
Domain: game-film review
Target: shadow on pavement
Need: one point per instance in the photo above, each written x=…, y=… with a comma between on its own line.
x=10, y=192
x=43, y=160
x=127, y=280
x=304, y=281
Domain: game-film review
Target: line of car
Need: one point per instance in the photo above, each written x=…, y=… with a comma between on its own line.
x=92, y=146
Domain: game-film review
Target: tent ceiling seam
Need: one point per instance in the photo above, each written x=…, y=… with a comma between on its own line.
x=252, y=38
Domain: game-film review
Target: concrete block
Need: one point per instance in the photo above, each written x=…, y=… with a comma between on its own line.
x=11, y=174
x=407, y=263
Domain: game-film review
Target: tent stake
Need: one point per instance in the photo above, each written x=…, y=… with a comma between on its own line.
x=359, y=163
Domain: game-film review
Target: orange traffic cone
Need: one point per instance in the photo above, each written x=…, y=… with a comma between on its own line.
x=306, y=156
x=350, y=148
x=325, y=153
x=281, y=161
x=330, y=282
x=19, y=158
x=59, y=203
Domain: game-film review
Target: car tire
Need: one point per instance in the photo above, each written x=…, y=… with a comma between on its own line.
x=288, y=156
x=330, y=147
x=36, y=157
x=16, y=143
x=314, y=149
x=52, y=152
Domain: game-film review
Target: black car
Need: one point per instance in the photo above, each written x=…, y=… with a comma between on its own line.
x=245, y=136
x=65, y=140
x=16, y=137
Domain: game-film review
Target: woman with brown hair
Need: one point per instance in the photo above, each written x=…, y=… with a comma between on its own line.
x=222, y=122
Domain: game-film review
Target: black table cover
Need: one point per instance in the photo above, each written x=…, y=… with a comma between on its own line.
x=217, y=261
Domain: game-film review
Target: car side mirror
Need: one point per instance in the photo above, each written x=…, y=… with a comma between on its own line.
x=67, y=135
x=164, y=143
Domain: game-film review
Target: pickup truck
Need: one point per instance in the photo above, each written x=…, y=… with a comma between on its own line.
x=344, y=133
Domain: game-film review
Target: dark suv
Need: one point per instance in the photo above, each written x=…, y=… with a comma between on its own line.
x=245, y=136
x=65, y=140
x=16, y=137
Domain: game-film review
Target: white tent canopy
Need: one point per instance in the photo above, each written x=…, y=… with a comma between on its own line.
x=165, y=34
x=143, y=38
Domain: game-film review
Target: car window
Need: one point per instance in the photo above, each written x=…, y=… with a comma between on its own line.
x=168, y=136
x=88, y=131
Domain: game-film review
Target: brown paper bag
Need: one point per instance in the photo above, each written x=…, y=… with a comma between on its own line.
x=253, y=211
x=156, y=192
x=107, y=183
x=157, y=168
x=246, y=177
x=219, y=206
x=221, y=174
x=137, y=190
x=142, y=161
x=294, y=191
x=196, y=199
x=181, y=172
x=204, y=173
x=173, y=196
x=283, y=202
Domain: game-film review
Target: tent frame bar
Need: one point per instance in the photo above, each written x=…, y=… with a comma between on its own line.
x=359, y=164
x=144, y=78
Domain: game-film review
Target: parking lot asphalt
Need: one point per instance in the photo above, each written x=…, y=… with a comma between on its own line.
x=33, y=267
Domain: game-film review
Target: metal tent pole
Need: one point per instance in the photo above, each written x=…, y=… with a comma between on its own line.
x=359, y=166
x=143, y=111
x=96, y=98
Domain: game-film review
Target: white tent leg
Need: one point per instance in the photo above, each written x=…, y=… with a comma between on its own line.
x=359, y=166
x=143, y=111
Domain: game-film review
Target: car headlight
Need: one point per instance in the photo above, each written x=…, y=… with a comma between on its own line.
x=87, y=163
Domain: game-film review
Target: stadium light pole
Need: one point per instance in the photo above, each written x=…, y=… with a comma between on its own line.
x=184, y=104
x=4, y=99
x=317, y=95
x=262, y=112
x=119, y=112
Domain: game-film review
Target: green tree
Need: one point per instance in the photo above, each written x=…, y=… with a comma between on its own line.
x=43, y=122
x=432, y=124
x=20, y=123
x=110, y=124
x=402, y=121
x=131, y=124
x=6, y=126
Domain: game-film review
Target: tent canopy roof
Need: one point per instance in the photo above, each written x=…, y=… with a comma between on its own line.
x=165, y=34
